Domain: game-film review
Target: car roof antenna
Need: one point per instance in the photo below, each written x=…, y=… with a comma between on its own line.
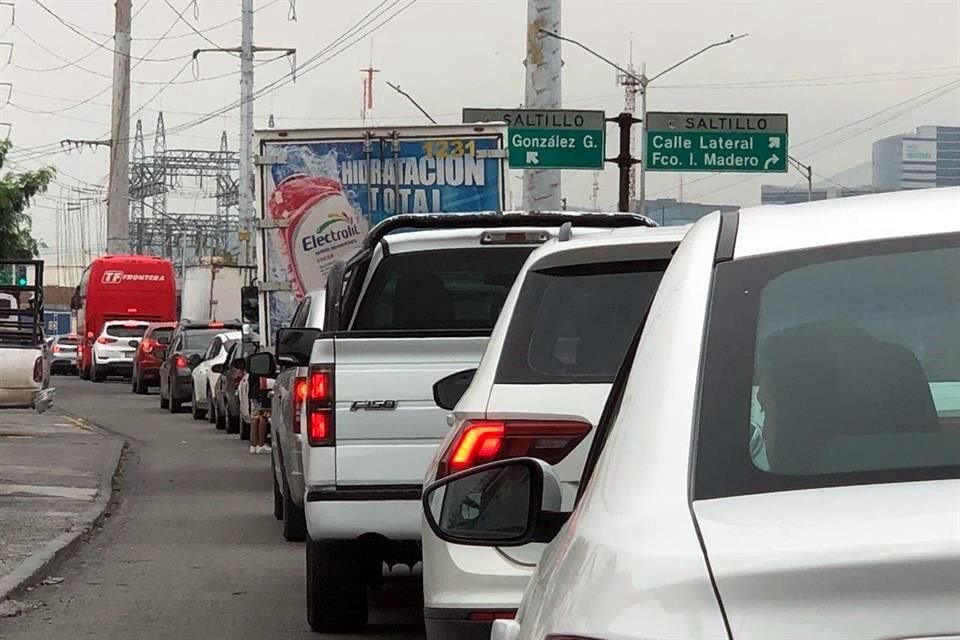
x=566, y=232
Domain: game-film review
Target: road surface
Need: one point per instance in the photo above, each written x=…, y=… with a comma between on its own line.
x=192, y=549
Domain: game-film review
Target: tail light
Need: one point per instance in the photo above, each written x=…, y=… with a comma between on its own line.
x=56, y=348
x=38, y=370
x=320, y=407
x=148, y=345
x=299, y=396
x=482, y=441
x=264, y=384
x=180, y=362
x=490, y=616
x=106, y=340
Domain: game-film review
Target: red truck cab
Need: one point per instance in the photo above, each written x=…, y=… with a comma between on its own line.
x=122, y=288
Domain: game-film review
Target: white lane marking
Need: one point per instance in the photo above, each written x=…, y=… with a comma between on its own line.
x=48, y=491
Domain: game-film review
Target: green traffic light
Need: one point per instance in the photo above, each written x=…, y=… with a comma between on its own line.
x=21, y=282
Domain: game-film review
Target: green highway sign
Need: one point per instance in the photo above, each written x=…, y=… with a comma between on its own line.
x=716, y=142
x=549, y=138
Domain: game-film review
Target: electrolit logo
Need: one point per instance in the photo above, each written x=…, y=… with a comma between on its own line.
x=337, y=227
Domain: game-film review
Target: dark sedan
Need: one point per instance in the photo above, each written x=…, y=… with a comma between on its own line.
x=185, y=352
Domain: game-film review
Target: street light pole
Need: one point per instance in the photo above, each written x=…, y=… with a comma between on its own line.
x=644, y=81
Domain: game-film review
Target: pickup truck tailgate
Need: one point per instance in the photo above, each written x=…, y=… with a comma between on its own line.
x=387, y=423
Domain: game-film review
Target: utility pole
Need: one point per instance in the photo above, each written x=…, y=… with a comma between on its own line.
x=246, y=50
x=245, y=196
x=118, y=199
x=541, y=187
x=807, y=171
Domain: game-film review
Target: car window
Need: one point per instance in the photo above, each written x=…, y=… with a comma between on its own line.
x=162, y=334
x=460, y=289
x=214, y=348
x=67, y=340
x=125, y=331
x=573, y=324
x=198, y=339
x=302, y=313
x=833, y=366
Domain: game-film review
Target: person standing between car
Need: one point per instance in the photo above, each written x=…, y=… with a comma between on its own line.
x=260, y=410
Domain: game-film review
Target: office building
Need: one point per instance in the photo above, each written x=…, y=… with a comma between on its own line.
x=929, y=157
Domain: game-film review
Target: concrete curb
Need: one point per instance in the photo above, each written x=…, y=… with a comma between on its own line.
x=28, y=572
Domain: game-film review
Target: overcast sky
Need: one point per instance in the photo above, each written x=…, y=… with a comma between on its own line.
x=827, y=64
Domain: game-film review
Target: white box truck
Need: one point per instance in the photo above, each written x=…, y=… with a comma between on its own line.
x=212, y=292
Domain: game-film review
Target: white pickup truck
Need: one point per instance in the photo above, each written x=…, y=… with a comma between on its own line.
x=407, y=310
x=24, y=365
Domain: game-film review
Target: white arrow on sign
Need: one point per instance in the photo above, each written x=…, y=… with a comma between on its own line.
x=533, y=157
x=774, y=143
x=771, y=160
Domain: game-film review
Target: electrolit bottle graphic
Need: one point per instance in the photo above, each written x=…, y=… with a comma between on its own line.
x=323, y=225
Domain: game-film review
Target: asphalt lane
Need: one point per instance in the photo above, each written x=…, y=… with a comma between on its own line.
x=192, y=549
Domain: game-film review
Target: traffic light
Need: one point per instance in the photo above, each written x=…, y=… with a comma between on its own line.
x=21, y=275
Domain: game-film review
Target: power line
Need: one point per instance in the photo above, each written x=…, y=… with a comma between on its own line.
x=103, y=45
x=193, y=28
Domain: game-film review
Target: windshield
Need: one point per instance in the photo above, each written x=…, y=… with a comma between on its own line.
x=199, y=339
x=573, y=324
x=125, y=331
x=837, y=366
x=162, y=334
x=455, y=289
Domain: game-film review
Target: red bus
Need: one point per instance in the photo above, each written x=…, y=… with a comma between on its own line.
x=122, y=288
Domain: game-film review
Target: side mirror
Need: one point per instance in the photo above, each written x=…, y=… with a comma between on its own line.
x=161, y=352
x=262, y=364
x=508, y=503
x=296, y=344
x=194, y=360
x=240, y=364
x=217, y=368
x=448, y=391
x=250, y=304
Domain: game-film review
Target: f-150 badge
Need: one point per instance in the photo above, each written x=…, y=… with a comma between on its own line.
x=373, y=405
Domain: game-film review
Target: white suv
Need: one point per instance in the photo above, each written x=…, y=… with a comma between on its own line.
x=779, y=455
x=538, y=391
x=115, y=348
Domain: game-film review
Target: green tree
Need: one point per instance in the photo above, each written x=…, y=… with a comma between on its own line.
x=16, y=192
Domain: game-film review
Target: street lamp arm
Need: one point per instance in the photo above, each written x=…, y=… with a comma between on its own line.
x=610, y=62
x=728, y=40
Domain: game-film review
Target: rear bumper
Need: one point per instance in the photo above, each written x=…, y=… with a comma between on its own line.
x=453, y=624
x=345, y=513
x=184, y=388
x=149, y=373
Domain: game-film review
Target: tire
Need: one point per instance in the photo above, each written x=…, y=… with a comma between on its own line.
x=140, y=387
x=221, y=421
x=211, y=405
x=96, y=375
x=84, y=373
x=176, y=406
x=277, y=496
x=294, y=519
x=336, y=593
x=164, y=403
x=233, y=423
x=244, y=429
x=195, y=410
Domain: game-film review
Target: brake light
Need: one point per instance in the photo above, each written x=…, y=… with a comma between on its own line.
x=481, y=441
x=147, y=345
x=299, y=396
x=132, y=310
x=90, y=334
x=106, y=340
x=490, y=616
x=264, y=384
x=56, y=348
x=320, y=407
x=216, y=324
x=180, y=362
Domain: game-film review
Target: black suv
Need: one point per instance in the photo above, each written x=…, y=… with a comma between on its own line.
x=185, y=351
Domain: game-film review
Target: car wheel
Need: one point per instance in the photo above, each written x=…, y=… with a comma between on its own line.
x=336, y=593
x=84, y=373
x=294, y=519
x=96, y=375
x=221, y=421
x=195, y=410
x=244, y=429
x=277, y=496
x=164, y=403
x=233, y=423
x=140, y=387
x=211, y=408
